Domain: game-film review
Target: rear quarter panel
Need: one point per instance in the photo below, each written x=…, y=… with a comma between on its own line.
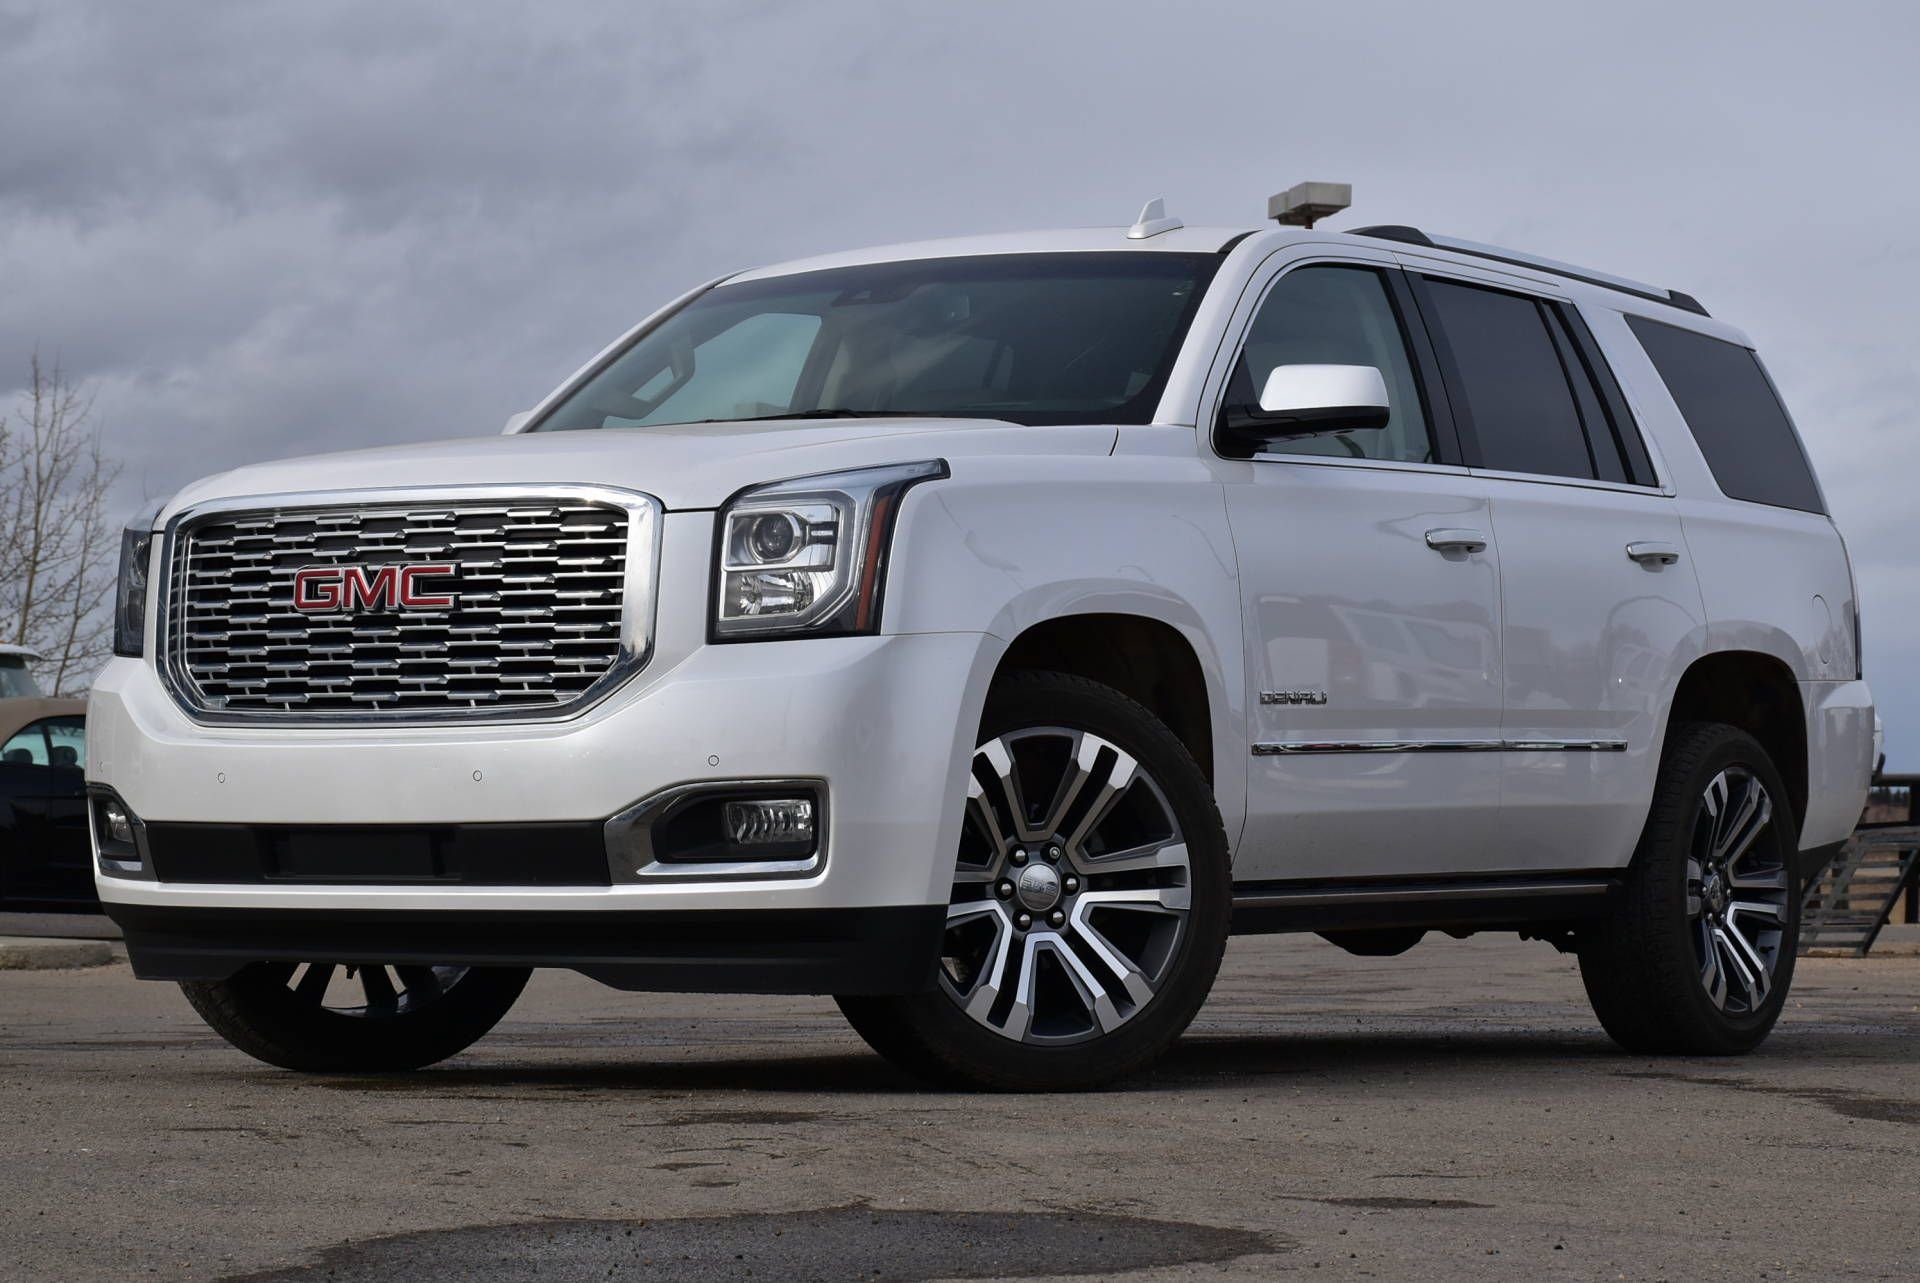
x=1774, y=581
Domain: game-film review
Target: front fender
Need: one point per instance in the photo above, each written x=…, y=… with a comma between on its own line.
x=1005, y=544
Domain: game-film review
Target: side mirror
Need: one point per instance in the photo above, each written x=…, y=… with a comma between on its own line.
x=1303, y=401
x=516, y=422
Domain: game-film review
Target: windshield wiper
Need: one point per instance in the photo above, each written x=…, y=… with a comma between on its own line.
x=831, y=413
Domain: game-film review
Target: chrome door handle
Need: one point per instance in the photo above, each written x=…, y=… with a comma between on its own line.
x=1653, y=553
x=1456, y=541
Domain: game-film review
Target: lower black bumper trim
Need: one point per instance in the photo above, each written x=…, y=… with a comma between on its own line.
x=1463, y=903
x=811, y=951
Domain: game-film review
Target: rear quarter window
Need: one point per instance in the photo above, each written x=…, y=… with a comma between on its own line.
x=1734, y=414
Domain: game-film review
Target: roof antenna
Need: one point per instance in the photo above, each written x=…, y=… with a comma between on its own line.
x=1152, y=221
x=1304, y=204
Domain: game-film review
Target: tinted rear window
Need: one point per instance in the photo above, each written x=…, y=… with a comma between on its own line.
x=1517, y=397
x=1735, y=415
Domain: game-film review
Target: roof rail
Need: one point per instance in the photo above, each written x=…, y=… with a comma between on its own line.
x=1652, y=293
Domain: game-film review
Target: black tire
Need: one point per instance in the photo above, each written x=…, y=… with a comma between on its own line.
x=1646, y=966
x=433, y=1013
x=930, y=1034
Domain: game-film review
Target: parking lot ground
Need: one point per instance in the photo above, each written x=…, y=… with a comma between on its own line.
x=1450, y=1114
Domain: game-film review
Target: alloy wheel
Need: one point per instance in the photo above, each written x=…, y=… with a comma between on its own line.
x=1737, y=892
x=1072, y=890
x=367, y=990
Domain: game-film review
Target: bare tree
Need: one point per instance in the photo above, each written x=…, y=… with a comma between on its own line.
x=58, y=551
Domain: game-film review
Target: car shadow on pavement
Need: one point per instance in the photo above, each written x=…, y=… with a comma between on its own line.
x=1205, y=1061
x=1198, y=1061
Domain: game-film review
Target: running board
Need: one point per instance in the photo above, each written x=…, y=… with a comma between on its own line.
x=1439, y=904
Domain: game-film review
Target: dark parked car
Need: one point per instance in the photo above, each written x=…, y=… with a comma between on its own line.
x=46, y=861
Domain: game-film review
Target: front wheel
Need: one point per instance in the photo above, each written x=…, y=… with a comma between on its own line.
x=366, y=1018
x=1698, y=952
x=1090, y=903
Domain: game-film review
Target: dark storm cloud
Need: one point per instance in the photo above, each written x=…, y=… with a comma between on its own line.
x=265, y=228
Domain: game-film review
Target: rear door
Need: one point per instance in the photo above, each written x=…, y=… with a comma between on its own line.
x=1599, y=604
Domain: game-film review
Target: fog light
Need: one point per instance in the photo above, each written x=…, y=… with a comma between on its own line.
x=771, y=821
x=119, y=839
x=119, y=823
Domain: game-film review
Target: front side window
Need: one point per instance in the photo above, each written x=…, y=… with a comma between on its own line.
x=1512, y=381
x=1336, y=316
x=1032, y=338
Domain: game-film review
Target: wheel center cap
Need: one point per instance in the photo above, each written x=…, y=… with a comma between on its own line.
x=1716, y=893
x=1038, y=887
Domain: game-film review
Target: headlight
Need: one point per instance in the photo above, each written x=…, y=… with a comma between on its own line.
x=130, y=603
x=809, y=555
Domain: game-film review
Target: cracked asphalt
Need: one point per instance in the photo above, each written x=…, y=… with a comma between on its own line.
x=1451, y=1114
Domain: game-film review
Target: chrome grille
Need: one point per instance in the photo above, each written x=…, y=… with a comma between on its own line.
x=537, y=624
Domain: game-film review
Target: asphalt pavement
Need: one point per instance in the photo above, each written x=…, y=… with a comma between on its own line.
x=1451, y=1114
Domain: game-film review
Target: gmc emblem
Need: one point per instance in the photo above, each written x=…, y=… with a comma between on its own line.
x=321, y=590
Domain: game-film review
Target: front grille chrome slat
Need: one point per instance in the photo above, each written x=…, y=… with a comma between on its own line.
x=539, y=626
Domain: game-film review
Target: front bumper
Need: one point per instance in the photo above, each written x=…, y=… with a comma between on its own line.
x=820, y=951
x=884, y=723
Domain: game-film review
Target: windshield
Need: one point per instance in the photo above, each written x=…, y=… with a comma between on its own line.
x=1035, y=338
x=16, y=680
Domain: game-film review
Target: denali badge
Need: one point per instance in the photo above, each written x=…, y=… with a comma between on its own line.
x=1293, y=697
x=319, y=590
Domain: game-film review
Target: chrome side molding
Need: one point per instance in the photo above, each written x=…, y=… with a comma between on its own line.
x=1287, y=748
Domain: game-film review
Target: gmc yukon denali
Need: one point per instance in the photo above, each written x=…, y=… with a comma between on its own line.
x=981, y=632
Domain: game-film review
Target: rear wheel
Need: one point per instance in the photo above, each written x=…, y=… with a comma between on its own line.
x=1697, y=955
x=366, y=1018
x=1090, y=900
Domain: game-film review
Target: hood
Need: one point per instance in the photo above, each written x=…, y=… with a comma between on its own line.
x=687, y=466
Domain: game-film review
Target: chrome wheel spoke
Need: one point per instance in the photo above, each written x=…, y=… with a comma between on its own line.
x=1174, y=899
x=1712, y=974
x=981, y=810
x=1753, y=965
x=1132, y=980
x=1751, y=972
x=1000, y=761
x=1759, y=909
x=1119, y=779
x=1749, y=820
x=1765, y=880
x=1170, y=854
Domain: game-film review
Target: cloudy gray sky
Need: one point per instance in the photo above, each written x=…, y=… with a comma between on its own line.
x=261, y=228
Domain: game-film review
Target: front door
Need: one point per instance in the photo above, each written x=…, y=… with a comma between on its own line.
x=1371, y=608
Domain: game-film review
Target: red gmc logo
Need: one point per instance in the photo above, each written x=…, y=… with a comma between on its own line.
x=320, y=590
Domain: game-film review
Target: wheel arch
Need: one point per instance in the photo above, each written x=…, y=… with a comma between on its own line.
x=1756, y=692
x=1144, y=658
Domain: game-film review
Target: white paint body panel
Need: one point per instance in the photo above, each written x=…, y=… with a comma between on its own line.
x=1594, y=645
x=1342, y=595
x=1280, y=574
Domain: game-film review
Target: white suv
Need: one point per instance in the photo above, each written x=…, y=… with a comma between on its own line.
x=981, y=632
